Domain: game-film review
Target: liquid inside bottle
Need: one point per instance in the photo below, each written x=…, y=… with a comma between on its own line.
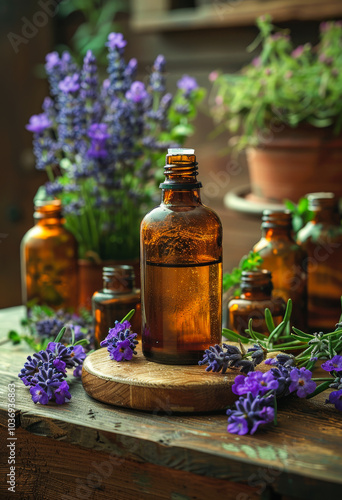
x=117, y=298
x=49, y=265
x=181, y=249
x=322, y=240
x=255, y=297
x=287, y=262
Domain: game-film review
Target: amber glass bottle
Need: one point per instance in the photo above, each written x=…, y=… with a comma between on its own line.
x=49, y=260
x=256, y=295
x=287, y=262
x=322, y=240
x=115, y=300
x=181, y=252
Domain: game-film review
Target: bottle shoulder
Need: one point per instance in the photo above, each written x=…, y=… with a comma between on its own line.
x=164, y=214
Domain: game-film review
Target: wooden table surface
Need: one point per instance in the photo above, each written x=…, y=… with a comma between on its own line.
x=89, y=450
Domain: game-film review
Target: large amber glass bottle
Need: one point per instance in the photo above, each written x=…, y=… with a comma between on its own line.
x=287, y=262
x=322, y=240
x=117, y=298
x=181, y=252
x=256, y=295
x=49, y=260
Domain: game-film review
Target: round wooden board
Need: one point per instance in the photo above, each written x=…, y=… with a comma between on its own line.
x=144, y=385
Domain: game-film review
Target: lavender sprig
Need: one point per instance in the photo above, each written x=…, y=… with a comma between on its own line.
x=45, y=372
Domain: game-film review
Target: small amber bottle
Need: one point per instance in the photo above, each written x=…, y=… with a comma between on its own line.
x=287, y=262
x=49, y=260
x=115, y=300
x=255, y=296
x=181, y=285
x=322, y=240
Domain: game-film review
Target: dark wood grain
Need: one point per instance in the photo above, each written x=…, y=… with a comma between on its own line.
x=300, y=458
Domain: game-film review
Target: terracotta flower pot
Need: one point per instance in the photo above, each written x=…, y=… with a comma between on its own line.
x=296, y=162
x=90, y=277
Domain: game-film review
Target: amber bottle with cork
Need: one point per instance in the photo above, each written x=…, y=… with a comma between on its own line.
x=49, y=260
x=287, y=262
x=255, y=296
x=322, y=240
x=117, y=298
x=181, y=253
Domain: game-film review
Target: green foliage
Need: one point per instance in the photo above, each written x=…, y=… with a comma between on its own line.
x=300, y=213
x=312, y=347
x=98, y=22
x=284, y=86
x=250, y=262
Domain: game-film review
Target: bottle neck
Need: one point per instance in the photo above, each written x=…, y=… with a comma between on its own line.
x=186, y=197
x=256, y=285
x=277, y=233
x=118, y=279
x=325, y=207
x=48, y=213
x=276, y=225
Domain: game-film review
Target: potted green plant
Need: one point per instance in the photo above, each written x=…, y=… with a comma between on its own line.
x=285, y=109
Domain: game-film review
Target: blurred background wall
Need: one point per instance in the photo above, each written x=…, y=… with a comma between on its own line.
x=196, y=37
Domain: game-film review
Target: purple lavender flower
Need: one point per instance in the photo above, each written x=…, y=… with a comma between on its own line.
x=120, y=341
x=335, y=398
x=333, y=365
x=38, y=123
x=49, y=327
x=98, y=135
x=255, y=383
x=78, y=371
x=282, y=359
x=49, y=379
x=70, y=84
x=62, y=393
x=221, y=358
x=250, y=413
x=33, y=364
x=116, y=64
x=122, y=351
x=68, y=355
x=157, y=78
x=89, y=88
x=39, y=395
x=301, y=382
x=52, y=60
x=187, y=84
x=137, y=93
x=78, y=354
x=130, y=71
x=115, y=331
x=116, y=41
x=258, y=354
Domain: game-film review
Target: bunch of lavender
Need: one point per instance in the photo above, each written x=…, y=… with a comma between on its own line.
x=220, y=358
x=43, y=324
x=46, y=371
x=121, y=341
x=312, y=347
x=102, y=143
x=258, y=392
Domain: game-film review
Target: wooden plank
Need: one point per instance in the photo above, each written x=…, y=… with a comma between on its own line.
x=235, y=13
x=47, y=469
x=301, y=455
